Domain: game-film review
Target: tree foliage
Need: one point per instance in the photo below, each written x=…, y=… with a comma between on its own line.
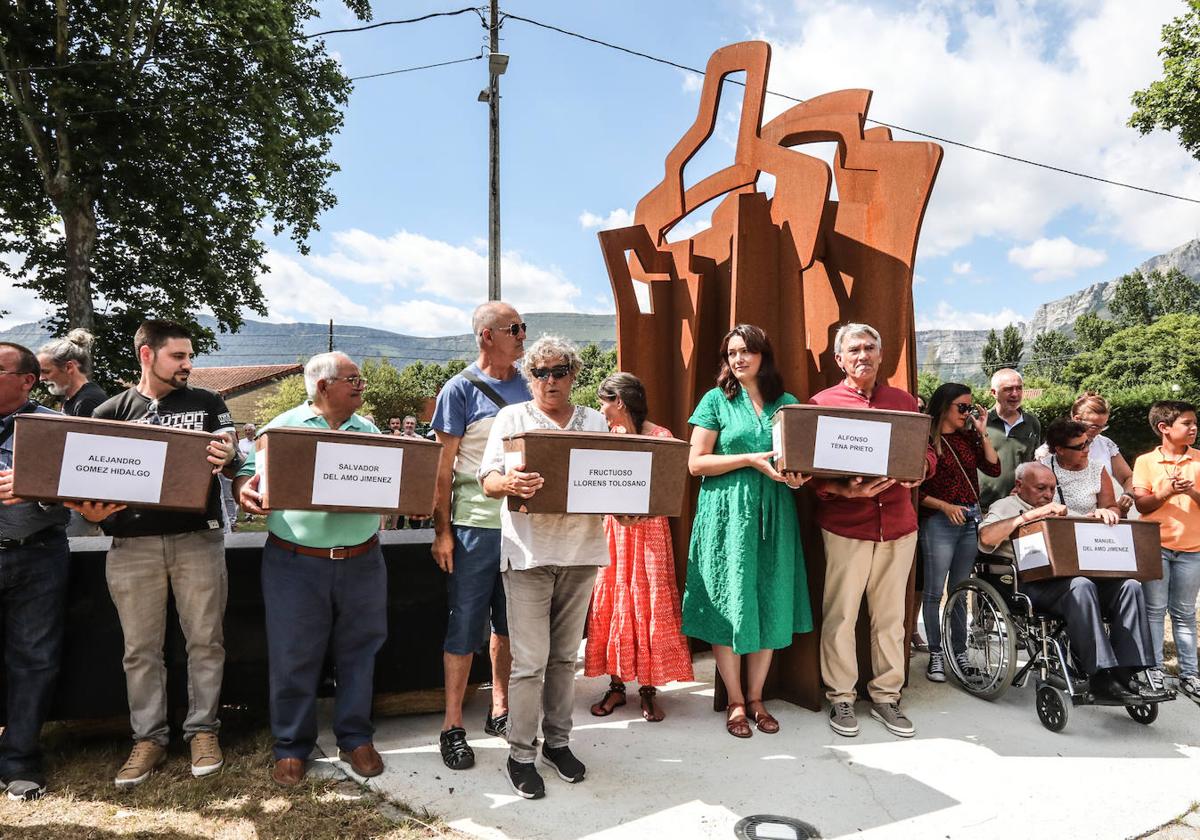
x=143, y=145
x=1048, y=354
x=1130, y=302
x=597, y=366
x=289, y=394
x=1162, y=353
x=1173, y=102
x=927, y=383
x=1091, y=330
x=1002, y=351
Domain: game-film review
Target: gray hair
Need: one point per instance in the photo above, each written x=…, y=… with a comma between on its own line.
x=1024, y=467
x=550, y=347
x=322, y=366
x=1003, y=372
x=849, y=331
x=76, y=347
x=484, y=315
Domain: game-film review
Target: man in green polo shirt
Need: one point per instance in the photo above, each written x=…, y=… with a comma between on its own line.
x=1015, y=435
x=324, y=586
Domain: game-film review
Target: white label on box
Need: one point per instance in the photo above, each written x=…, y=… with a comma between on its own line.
x=260, y=470
x=1101, y=548
x=513, y=460
x=605, y=481
x=777, y=436
x=852, y=446
x=112, y=468
x=353, y=475
x=1030, y=551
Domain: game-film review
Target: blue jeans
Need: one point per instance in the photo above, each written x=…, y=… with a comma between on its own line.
x=1175, y=593
x=948, y=550
x=33, y=594
x=475, y=591
x=314, y=603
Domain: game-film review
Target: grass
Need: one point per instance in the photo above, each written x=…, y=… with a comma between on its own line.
x=239, y=803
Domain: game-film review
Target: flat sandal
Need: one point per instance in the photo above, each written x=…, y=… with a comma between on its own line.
x=737, y=727
x=762, y=718
x=650, y=710
x=602, y=709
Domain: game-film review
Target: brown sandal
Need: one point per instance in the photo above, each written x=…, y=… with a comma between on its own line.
x=737, y=727
x=603, y=709
x=762, y=718
x=650, y=711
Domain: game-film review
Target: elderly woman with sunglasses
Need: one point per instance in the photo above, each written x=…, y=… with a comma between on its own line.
x=548, y=563
x=949, y=511
x=1084, y=485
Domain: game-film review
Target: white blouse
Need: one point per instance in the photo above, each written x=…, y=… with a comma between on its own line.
x=531, y=540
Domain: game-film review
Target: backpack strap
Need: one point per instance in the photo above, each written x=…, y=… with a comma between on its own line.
x=484, y=388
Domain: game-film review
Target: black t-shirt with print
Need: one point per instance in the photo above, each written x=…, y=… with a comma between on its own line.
x=86, y=400
x=184, y=408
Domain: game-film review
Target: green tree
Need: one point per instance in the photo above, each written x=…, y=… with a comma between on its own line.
x=143, y=145
x=927, y=383
x=287, y=395
x=989, y=356
x=1173, y=292
x=597, y=366
x=1173, y=102
x=1130, y=302
x=1048, y=353
x=1012, y=346
x=391, y=392
x=1091, y=330
x=1162, y=353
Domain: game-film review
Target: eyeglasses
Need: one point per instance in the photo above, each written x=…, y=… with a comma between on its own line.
x=13, y=372
x=964, y=407
x=355, y=381
x=512, y=329
x=556, y=372
x=1092, y=427
x=1078, y=447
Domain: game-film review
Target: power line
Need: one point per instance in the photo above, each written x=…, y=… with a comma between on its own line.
x=154, y=59
x=893, y=126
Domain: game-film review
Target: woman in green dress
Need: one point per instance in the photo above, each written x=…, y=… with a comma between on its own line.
x=747, y=591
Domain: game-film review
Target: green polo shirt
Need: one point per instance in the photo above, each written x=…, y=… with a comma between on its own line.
x=315, y=528
x=1014, y=446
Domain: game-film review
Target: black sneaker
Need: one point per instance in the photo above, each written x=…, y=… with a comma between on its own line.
x=525, y=780
x=25, y=790
x=569, y=768
x=456, y=753
x=497, y=725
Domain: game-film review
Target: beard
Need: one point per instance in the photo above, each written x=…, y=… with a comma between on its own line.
x=56, y=390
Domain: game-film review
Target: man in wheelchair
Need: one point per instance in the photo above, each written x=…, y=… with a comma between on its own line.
x=1111, y=661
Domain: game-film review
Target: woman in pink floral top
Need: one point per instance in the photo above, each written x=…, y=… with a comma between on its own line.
x=633, y=631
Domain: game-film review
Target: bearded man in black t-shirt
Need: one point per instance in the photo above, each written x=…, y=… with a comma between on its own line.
x=153, y=550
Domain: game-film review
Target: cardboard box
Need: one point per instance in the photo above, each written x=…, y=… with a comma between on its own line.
x=346, y=472
x=1072, y=546
x=590, y=472
x=825, y=441
x=57, y=458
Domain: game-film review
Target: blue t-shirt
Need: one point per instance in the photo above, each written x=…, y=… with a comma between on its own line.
x=466, y=412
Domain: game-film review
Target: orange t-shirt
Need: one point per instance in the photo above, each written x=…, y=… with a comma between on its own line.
x=1179, y=517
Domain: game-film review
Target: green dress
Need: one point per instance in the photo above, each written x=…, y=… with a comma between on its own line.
x=746, y=583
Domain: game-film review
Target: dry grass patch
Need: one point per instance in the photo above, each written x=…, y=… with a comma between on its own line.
x=239, y=803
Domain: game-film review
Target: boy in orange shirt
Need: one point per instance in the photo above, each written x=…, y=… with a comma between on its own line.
x=1166, y=488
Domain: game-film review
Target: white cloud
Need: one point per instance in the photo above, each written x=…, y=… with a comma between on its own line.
x=963, y=267
x=946, y=317
x=1051, y=259
x=21, y=304
x=1013, y=79
x=616, y=219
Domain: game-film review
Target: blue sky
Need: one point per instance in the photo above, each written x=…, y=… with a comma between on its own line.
x=585, y=130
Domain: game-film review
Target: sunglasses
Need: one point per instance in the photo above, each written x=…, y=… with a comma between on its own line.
x=965, y=408
x=512, y=329
x=1092, y=427
x=1079, y=447
x=556, y=372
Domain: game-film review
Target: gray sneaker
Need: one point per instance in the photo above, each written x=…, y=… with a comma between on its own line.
x=842, y=719
x=25, y=790
x=936, y=670
x=889, y=715
x=1190, y=686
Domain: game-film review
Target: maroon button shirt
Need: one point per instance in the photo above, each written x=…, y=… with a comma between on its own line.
x=888, y=516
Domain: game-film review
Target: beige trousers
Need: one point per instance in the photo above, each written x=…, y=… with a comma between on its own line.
x=879, y=570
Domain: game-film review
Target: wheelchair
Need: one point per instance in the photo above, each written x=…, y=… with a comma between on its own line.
x=1002, y=628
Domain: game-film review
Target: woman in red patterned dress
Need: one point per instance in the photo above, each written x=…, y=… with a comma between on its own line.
x=633, y=628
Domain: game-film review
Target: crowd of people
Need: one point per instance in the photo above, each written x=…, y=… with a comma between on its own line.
x=523, y=587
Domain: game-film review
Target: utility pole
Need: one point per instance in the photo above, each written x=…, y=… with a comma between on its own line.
x=497, y=64
x=330, y=335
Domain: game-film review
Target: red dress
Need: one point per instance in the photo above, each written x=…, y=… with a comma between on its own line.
x=633, y=627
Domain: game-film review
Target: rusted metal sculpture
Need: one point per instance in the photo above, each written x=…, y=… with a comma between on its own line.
x=796, y=264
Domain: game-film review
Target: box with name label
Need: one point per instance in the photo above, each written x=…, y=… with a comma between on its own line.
x=59, y=458
x=346, y=472
x=826, y=441
x=1074, y=546
x=591, y=472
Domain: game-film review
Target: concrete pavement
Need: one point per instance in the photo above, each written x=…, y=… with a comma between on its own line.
x=974, y=770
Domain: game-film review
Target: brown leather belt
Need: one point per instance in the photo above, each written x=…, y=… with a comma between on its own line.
x=341, y=552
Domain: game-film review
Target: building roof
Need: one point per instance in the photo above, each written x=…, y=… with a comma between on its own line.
x=232, y=380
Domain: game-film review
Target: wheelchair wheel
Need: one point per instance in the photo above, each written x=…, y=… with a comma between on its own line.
x=1144, y=714
x=991, y=645
x=1052, y=707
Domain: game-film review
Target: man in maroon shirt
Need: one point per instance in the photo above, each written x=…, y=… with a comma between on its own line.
x=869, y=527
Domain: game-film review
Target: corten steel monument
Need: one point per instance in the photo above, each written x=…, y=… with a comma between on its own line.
x=797, y=264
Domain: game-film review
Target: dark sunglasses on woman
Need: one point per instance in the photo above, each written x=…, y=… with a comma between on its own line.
x=557, y=372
